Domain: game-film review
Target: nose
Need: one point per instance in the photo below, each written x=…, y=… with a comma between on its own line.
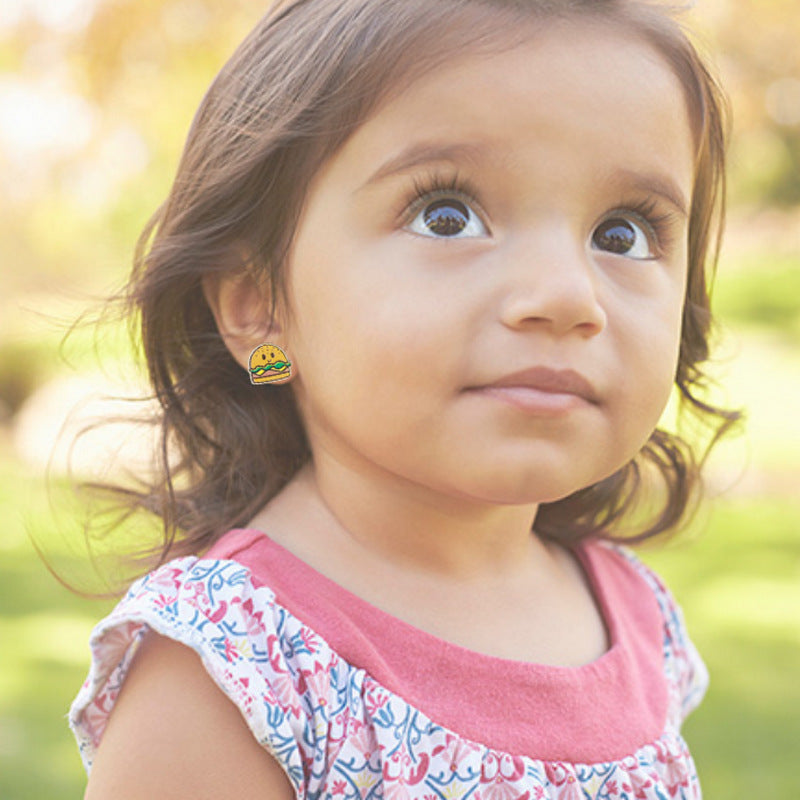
x=552, y=282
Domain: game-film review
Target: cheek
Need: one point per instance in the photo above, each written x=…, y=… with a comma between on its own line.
x=363, y=347
x=648, y=335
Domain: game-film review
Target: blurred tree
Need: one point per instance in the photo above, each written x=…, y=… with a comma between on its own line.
x=96, y=98
x=755, y=43
x=94, y=106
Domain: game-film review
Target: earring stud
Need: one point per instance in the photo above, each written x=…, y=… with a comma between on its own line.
x=269, y=364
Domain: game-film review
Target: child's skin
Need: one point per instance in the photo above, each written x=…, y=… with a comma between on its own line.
x=423, y=489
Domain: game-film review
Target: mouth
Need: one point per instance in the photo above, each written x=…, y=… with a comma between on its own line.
x=542, y=390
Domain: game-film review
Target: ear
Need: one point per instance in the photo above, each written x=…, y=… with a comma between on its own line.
x=241, y=308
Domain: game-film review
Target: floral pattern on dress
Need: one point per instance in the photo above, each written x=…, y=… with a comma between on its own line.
x=339, y=733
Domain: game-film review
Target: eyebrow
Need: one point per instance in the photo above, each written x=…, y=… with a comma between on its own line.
x=421, y=153
x=652, y=183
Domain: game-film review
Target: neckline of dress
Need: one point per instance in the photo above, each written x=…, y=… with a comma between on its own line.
x=304, y=574
x=600, y=711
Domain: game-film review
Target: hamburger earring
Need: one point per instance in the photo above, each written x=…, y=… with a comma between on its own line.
x=268, y=364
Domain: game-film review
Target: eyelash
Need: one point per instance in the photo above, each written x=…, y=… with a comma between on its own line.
x=660, y=223
x=435, y=186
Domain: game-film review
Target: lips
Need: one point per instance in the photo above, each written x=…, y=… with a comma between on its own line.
x=545, y=382
x=555, y=381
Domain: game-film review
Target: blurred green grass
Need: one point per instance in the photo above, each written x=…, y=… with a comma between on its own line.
x=44, y=630
x=764, y=292
x=739, y=585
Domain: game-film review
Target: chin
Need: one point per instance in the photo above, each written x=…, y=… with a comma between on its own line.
x=520, y=492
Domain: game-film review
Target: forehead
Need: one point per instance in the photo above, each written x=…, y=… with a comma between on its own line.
x=570, y=83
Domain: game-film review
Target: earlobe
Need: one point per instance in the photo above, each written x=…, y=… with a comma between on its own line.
x=241, y=309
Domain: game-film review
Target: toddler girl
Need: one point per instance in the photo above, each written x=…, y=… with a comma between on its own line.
x=413, y=309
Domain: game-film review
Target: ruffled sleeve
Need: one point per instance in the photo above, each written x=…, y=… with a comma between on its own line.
x=243, y=640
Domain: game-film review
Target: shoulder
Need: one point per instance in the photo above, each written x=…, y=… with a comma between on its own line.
x=234, y=638
x=630, y=568
x=682, y=662
x=169, y=698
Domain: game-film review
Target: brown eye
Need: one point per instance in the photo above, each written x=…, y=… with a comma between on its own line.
x=447, y=218
x=624, y=237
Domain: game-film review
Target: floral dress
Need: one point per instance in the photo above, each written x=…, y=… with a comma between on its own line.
x=355, y=703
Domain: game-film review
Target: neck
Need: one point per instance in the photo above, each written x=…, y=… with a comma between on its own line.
x=412, y=527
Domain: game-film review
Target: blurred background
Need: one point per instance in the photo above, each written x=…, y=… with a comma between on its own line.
x=96, y=97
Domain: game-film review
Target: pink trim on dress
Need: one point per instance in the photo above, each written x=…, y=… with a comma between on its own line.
x=601, y=711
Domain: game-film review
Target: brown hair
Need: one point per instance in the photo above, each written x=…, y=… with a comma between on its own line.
x=297, y=87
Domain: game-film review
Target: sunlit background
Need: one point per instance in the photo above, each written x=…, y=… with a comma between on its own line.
x=96, y=97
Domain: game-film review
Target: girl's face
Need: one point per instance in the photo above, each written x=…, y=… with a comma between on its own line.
x=520, y=211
